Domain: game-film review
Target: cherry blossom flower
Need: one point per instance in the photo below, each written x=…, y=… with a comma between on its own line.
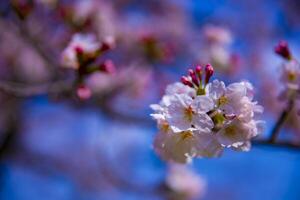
x=182, y=147
x=183, y=181
x=185, y=113
x=290, y=75
x=217, y=34
x=235, y=99
x=237, y=132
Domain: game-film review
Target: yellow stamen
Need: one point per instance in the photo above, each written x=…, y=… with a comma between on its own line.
x=188, y=113
x=186, y=135
x=222, y=100
x=292, y=76
x=230, y=131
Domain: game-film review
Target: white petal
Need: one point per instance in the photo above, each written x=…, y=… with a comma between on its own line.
x=216, y=89
x=202, y=121
x=181, y=147
x=159, y=144
x=237, y=131
x=236, y=91
x=202, y=104
x=176, y=113
x=242, y=146
x=179, y=88
x=207, y=145
x=156, y=107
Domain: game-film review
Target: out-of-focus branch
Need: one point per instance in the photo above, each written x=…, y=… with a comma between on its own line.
x=114, y=114
x=278, y=144
x=24, y=90
x=24, y=33
x=282, y=118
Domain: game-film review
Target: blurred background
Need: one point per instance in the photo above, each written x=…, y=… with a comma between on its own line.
x=56, y=146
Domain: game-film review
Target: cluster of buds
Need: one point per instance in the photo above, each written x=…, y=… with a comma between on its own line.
x=290, y=75
x=81, y=55
x=196, y=80
x=22, y=7
x=199, y=118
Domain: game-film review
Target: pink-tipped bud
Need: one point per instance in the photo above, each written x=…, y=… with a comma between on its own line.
x=108, y=44
x=186, y=81
x=198, y=69
x=193, y=76
x=209, y=71
x=283, y=50
x=108, y=67
x=78, y=50
x=83, y=92
x=191, y=72
x=199, y=72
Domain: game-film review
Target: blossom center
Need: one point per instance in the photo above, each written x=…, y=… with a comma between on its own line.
x=222, y=100
x=165, y=127
x=186, y=134
x=188, y=113
x=218, y=119
x=230, y=131
x=292, y=76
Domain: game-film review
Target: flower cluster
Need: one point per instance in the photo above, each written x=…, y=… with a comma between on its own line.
x=81, y=54
x=198, y=118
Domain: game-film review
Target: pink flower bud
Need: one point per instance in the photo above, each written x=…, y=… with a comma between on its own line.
x=191, y=72
x=108, y=67
x=108, y=44
x=193, y=76
x=186, y=81
x=209, y=71
x=283, y=50
x=83, y=92
x=199, y=72
x=78, y=50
